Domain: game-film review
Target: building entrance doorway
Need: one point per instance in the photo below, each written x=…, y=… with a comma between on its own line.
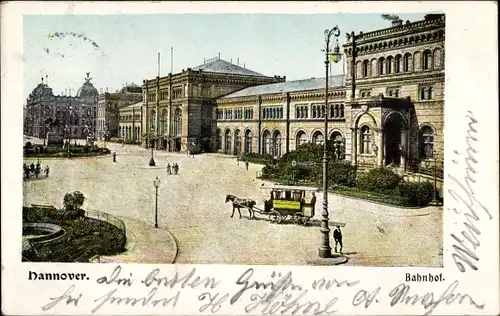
x=393, y=139
x=177, y=144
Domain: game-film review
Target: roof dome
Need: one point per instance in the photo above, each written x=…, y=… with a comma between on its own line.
x=42, y=90
x=87, y=90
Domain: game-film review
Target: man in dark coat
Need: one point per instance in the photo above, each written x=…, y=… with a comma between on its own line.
x=337, y=236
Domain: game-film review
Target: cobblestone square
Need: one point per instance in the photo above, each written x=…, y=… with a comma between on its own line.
x=191, y=206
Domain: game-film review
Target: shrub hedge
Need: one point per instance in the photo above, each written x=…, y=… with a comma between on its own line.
x=418, y=193
x=379, y=184
x=57, y=152
x=380, y=180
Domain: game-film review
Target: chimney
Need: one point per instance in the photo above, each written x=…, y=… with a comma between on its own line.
x=244, y=65
x=231, y=60
x=47, y=79
x=69, y=91
x=65, y=91
x=219, y=55
x=106, y=89
x=238, y=62
x=397, y=22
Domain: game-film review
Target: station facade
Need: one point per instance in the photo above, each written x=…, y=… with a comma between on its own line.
x=387, y=110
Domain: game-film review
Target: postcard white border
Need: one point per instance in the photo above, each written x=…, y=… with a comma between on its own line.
x=471, y=85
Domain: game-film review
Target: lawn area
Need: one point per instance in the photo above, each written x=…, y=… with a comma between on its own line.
x=84, y=238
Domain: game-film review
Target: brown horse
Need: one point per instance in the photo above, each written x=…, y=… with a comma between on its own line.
x=238, y=203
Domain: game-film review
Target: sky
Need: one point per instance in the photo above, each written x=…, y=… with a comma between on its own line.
x=126, y=47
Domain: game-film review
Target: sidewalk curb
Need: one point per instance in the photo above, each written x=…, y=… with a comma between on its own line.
x=133, y=242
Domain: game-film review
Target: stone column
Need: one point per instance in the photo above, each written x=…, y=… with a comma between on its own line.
x=404, y=148
x=380, y=152
x=354, y=146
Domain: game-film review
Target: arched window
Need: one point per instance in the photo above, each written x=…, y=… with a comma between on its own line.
x=365, y=68
x=313, y=111
x=426, y=143
x=389, y=64
x=341, y=111
x=318, y=138
x=267, y=145
x=338, y=145
x=177, y=130
x=426, y=93
x=248, y=141
x=301, y=139
x=407, y=62
x=276, y=150
x=164, y=120
x=153, y=121
x=381, y=63
x=397, y=64
x=427, y=56
x=227, y=141
x=237, y=142
x=365, y=140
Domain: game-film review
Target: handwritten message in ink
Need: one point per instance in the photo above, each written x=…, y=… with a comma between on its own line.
x=274, y=294
x=467, y=204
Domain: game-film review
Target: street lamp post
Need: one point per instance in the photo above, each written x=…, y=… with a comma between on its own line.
x=156, y=183
x=325, y=251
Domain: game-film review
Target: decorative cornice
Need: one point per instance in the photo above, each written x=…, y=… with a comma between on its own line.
x=404, y=46
x=400, y=78
x=401, y=29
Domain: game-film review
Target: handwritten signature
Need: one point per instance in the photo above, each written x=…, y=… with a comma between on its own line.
x=463, y=255
x=401, y=295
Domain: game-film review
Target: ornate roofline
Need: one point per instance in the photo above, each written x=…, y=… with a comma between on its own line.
x=414, y=26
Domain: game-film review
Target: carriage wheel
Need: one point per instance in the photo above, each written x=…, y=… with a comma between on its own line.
x=275, y=217
x=297, y=217
x=304, y=220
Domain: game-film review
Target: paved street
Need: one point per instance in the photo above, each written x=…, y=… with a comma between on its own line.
x=191, y=206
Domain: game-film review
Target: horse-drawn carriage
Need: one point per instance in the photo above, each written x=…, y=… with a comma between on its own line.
x=285, y=202
x=290, y=202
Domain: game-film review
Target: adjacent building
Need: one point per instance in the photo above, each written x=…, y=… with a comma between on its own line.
x=72, y=116
x=108, y=107
x=130, y=118
x=178, y=110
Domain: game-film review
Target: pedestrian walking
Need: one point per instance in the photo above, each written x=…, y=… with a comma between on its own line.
x=337, y=236
x=169, y=169
x=32, y=168
x=47, y=171
x=246, y=164
x=114, y=156
x=176, y=168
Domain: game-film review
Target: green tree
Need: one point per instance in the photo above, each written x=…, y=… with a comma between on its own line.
x=72, y=205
